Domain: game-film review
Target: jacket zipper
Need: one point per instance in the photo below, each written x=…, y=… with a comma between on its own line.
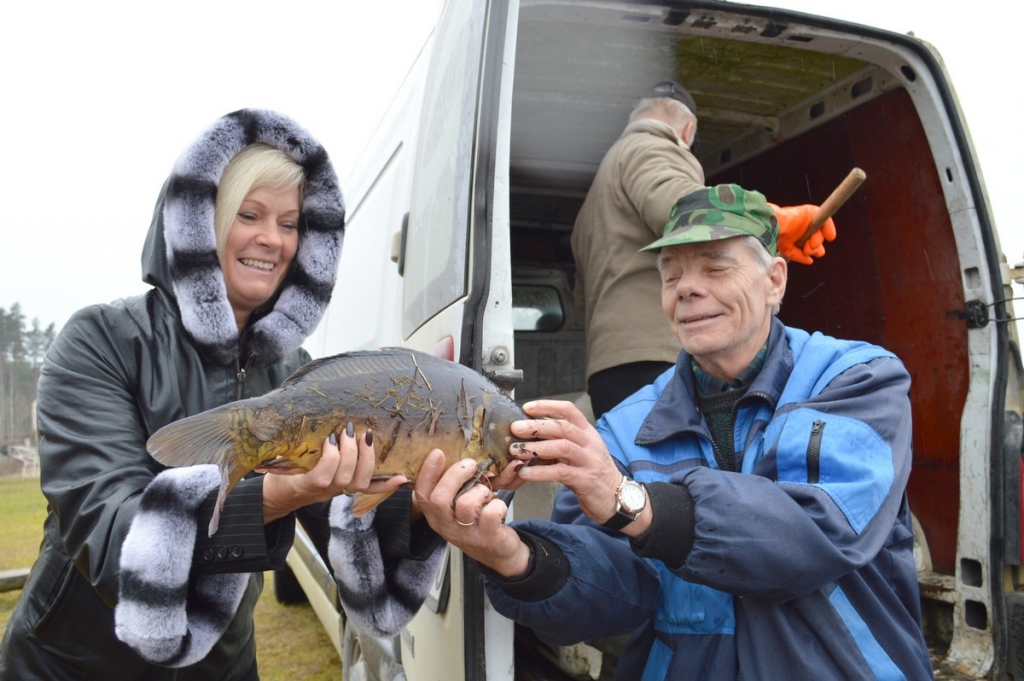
x=241, y=376
x=814, y=452
x=730, y=456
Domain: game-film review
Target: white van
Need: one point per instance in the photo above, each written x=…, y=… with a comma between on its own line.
x=458, y=241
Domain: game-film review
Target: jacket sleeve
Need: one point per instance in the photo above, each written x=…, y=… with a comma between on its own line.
x=824, y=498
x=656, y=172
x=601, y=568
x=93, y=459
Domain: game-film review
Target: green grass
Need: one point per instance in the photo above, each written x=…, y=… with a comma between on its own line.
x=23, y=509
x=290, y=642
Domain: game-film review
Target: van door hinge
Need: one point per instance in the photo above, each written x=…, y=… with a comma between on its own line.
x=499, y=369
x=975, y=313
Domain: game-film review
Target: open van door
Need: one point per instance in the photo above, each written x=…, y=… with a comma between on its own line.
x=456, y=298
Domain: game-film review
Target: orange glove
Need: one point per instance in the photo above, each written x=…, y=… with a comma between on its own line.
x=793, y=221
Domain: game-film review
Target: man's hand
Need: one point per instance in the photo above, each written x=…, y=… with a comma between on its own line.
x=573, y=454
x=793, y=222
x=473, y=520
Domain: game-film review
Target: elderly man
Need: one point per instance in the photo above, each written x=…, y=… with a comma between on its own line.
x=639, y=180
x=745, y=515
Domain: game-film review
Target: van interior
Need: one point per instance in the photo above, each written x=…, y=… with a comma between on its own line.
x=786, y=107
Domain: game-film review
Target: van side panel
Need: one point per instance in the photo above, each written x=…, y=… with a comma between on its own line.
x=896, y=229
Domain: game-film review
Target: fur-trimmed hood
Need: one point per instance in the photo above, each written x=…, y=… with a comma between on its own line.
x=180, y=254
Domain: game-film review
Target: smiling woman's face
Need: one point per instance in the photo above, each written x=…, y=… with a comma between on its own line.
x=261, y=244
x=719, y=300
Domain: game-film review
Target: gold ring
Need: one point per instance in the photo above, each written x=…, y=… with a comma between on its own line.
x=465, y=524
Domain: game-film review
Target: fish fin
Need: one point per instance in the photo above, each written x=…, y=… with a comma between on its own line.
x=359, y=362
x=480, y=477
x=363, y=503
x=201, y=438
x=231, y=471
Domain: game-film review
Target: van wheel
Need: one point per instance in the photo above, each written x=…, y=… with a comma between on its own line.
x=287, y=589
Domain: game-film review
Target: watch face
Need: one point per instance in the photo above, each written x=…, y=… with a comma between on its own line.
x=632, y=497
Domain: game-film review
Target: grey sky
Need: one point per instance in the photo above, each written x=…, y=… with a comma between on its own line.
x=100, y=98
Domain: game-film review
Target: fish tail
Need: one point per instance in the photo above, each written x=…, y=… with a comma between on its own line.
x=209, y=437
x=363, y=503
x=202, y=438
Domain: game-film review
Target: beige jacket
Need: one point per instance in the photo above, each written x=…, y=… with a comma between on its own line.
x=618, y=290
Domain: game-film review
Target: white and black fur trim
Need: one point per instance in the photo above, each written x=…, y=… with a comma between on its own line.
x=197, y=278
x=380, y=602
x=166, y=617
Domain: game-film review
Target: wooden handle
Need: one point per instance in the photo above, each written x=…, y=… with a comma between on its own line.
x=834, y=201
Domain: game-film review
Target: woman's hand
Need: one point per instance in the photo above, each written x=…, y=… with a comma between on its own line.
x=345, y=467
x=473, y=520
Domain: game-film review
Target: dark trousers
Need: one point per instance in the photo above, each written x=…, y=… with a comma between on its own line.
x=609, y=387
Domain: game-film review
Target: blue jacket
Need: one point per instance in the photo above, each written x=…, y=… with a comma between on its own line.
x=795, y=564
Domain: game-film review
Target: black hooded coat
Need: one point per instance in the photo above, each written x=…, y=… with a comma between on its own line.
x=117, y=373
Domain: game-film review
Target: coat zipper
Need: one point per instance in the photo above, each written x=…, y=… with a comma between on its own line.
x=241, y=376
x=730, y=457
x=814, y=452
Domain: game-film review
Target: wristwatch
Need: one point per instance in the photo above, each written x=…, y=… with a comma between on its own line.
x=630, y=501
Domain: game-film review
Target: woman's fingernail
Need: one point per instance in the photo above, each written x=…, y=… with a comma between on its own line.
x=369, y=438
x=350, y=430
x=333, y=439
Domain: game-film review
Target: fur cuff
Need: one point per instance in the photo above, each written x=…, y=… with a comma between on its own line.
x=167, y=617
x=379, y=601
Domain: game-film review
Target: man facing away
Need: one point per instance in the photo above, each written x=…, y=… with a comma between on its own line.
x=640, y=178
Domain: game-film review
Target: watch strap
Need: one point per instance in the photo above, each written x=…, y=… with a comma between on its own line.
x=618, y=521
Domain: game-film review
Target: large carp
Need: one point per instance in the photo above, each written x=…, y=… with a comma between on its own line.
x=412, y=401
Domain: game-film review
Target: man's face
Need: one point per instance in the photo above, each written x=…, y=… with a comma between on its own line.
x=719, y=301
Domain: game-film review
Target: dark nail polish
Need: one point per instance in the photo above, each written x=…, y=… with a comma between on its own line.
x=369, y=438
x=350, y=430
x=333, y=439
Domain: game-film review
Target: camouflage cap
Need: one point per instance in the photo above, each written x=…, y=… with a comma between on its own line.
x=720, y=212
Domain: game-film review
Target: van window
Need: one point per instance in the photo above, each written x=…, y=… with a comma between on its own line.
x=438, y=238
x=536, y=308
